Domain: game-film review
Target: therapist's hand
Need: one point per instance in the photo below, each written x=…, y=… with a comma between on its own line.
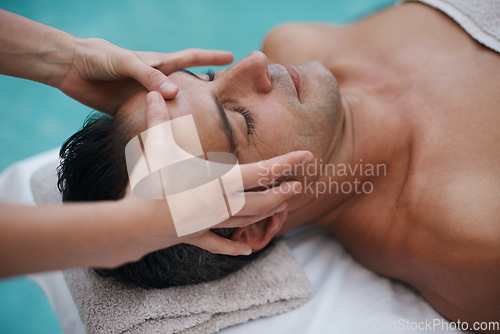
x=103, y=76
x=155, y=228
x=151, y=227
x=93, y=71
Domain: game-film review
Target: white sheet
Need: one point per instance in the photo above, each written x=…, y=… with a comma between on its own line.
x=348, y=298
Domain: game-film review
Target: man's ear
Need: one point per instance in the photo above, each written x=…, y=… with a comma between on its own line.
x=259, y=234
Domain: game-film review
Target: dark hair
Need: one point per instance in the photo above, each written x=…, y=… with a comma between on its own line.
x=93, y=168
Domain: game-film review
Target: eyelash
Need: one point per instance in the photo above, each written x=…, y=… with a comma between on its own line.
x=247, y=114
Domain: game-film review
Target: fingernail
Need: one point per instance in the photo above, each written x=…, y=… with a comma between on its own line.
x=282, y=207
x=307, y=159
x=297, y=189
x=153, y=98
x=168, y=88
x=246, y=252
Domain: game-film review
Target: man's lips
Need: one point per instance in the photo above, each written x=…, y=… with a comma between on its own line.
x=295, y=75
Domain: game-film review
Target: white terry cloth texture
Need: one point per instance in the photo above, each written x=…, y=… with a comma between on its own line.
x=348, y=298
x=479, y=18
x=272, y=284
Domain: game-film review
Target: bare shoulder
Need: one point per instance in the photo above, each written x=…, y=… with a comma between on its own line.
x=455, y=247
x=297, y=42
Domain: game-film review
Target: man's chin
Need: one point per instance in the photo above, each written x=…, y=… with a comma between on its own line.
x=319, y=84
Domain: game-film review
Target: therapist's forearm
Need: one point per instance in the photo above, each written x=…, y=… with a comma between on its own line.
x=47, y=238
x=34, y=51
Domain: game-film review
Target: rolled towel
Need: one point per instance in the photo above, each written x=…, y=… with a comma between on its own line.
x=272, y=284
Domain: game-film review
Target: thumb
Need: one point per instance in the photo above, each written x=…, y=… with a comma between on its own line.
x=157, y=111
x=151, y=78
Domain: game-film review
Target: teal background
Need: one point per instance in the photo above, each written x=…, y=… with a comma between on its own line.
x=35, y=118
x=24, y=309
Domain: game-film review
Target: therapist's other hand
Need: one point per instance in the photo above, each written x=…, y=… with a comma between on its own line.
x=103, y=76
x=156, y=222
x=270, y=204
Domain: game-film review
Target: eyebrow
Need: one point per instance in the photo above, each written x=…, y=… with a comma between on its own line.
x=226, y=125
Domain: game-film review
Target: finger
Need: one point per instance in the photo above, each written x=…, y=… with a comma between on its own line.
x=140, y=67
x=170, y=62
x=157, y=110
x=151, y=78
x=263, y=204
x=155, y=137
x=263, y=173
x=237, y=221
x=219, y=245
x=260, y=202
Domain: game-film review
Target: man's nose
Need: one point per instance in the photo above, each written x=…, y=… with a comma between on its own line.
x=250, y=73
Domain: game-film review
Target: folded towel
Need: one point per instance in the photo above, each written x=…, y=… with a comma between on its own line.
x=272, y=284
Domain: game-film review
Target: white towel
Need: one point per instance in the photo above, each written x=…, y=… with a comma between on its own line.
x=479, y=18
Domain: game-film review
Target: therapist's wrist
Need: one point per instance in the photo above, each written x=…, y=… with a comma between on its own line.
x=34, y=51
x=142, y=226
x=60, y=59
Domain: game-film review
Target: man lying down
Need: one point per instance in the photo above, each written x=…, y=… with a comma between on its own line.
x=406, y=143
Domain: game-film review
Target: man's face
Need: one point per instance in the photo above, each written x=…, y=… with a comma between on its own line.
x=257, y=110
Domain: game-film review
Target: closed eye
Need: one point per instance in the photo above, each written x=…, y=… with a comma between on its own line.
x=247, y=114
x=210, y=74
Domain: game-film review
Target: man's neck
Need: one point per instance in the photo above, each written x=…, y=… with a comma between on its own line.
x=369, y=146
